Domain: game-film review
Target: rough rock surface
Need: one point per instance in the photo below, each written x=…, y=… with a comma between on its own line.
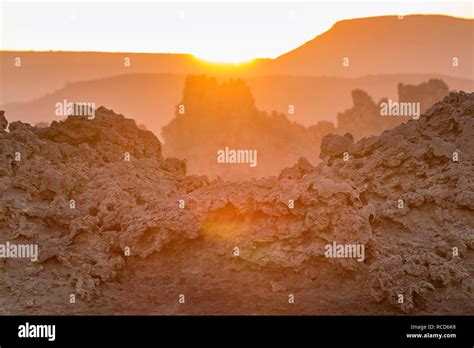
x=126, y=231
x=3, y=122
x=333, y=144
x=428, y=165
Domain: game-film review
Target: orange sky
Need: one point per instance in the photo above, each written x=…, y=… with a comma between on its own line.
x=224, y=32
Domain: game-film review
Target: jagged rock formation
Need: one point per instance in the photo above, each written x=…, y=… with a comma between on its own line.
x=426, y=93
x=428, y=165
x=141, y=232
x=213, y=116
x=3, y=121
x=365, y=117
x=70, y=189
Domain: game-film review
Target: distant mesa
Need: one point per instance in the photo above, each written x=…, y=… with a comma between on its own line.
x=374, y=46
x=423, y=44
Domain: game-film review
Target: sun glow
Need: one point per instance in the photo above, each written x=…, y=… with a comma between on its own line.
x=226, y=33
x=224, y=59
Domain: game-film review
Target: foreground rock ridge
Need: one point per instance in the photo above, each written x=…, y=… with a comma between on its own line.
x=123, y=230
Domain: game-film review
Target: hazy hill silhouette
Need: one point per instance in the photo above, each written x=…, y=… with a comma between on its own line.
x=45, y=72
x=386, y=45
x=377, y=45
x=151, y=98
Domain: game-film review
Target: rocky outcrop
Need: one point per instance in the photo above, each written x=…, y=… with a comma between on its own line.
x=3, y=121
x=367, y=118
x=213, y=116
x=364, y=118
x=417, y=177
x=333, y=145
x=425, y=93
x=124, y=230
x=84, y=190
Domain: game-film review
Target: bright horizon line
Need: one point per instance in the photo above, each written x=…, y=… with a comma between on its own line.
x=208, y=49
x=217, y=61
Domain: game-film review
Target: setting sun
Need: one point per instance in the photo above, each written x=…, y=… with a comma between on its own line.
x=230, y=33
x=223, y=59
